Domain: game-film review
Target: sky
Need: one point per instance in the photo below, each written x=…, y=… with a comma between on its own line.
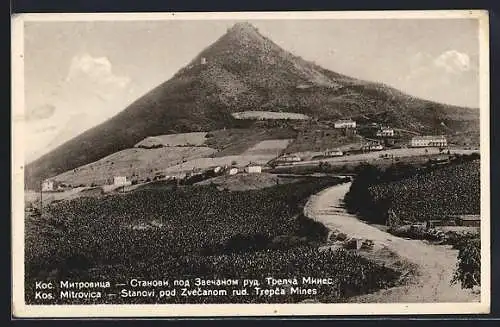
x=79, y=74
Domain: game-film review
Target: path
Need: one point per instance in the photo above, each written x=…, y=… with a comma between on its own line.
x=436, y=263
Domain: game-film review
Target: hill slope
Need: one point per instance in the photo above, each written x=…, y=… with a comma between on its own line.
x=246, y=71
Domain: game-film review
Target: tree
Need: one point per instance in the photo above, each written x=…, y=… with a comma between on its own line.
x=468, y=271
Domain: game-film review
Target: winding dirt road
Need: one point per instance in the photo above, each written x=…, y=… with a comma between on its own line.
x=435, y=263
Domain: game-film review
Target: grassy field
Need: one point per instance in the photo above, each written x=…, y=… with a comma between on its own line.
x=143, y=163
x=236, y=141
x=323, y=139
x=181, y=139
x=268, y=147
x=268, y=115
x=244, y=182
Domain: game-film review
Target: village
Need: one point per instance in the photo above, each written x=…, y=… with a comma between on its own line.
x=383, y=138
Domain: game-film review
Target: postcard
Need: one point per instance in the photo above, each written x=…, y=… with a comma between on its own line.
x=250, y=164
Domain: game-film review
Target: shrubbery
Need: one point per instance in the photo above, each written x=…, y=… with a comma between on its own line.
x=468, y=272
x=194, y=231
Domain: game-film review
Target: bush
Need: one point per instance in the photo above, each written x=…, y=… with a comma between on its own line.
x=468, y=271
x=248, y=234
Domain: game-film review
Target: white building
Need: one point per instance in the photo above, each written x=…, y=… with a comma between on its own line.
x=120, y=181
x=217, y=169
x=345, y=124
x=373, y=147
x=429, y=141
x=333, y=153
x=251, y=168
x=233, y=171
x=47, y=186
x=203, y=60
x=289, y=158
x=385, y=132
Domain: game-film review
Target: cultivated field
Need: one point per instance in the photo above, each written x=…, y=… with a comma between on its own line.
x=268, y=115
x=436, y=194
x=236, y=141
x=192, y=232
x=244, y=182
x=397, y=153
x=269, y=147
x=417, y=195
x=205, y=163
x=323, y=139
x=142, y=163
x=261, y=153
x=181, y=139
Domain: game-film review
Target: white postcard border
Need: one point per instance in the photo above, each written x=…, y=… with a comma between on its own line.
x=21, y=310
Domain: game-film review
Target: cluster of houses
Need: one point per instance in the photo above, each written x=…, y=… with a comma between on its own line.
x=385, y=132
x=372, y=146
x=122, y=181
x=428, y=141
x=456, y=220
x=345, y=123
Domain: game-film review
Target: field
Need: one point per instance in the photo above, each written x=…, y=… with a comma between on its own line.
x=268, y=147
x=236, y=141
x=268, y=115
x=261, y=153
x=323, y=139
x=155, y=232
x=417, y=195
x=181, y=139
x=244, y=182
x=142, y=163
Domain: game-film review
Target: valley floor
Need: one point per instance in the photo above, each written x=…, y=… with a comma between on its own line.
x=434, y=263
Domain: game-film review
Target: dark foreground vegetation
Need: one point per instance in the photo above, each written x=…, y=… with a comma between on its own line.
x=468, y=272
x=405, y=196
x=415, y=193
x=194, y=231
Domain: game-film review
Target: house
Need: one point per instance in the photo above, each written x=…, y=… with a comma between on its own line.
x=353, y=244
x=372, y=146
x=333, y=153
x=120, y=181
x=232, y=171
x=203, y=60
x=289, y=158
x=429, y=141
x=468, y=220
x=47, y=186
x=344, y=124
x=217, y=169
x=385, y=132
x=253, y=168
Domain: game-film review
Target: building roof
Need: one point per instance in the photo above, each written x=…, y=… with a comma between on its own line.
x=253, y=165
x=428, y=137
x=468, y=217
x=345, y=121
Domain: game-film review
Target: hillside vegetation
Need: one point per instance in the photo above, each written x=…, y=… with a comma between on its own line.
x=245, y=71
x=417, y=195
x=135, y=163
x=181, y=139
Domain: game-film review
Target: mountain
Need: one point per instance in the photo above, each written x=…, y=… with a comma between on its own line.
x=244, y=70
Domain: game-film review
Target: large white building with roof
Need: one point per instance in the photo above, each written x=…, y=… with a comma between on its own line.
x=344, y=123
x=429, y=141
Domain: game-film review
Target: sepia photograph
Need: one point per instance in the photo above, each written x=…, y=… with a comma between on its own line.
x=250, y=164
